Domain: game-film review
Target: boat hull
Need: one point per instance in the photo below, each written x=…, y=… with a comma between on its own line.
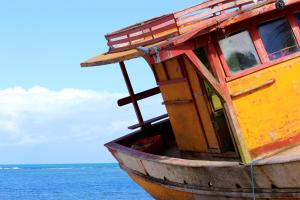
x=167, y=187
x=164, y=177
x=164, y=191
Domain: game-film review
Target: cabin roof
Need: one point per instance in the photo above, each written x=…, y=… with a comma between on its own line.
x=178, y=27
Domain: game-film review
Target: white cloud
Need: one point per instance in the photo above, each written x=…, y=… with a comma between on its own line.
x=38, y=115
x=44, y=118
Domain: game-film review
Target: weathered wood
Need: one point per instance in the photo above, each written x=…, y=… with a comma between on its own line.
x=159, y=29
x=253, y=89
x=202, y=105
x=178, y=98
x=203, y=71
x=139, y=96
x=131, y=93
x=149, y=122
x=213, y=179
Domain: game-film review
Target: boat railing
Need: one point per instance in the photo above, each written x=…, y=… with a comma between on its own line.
x=170, y=25
x=151, y=31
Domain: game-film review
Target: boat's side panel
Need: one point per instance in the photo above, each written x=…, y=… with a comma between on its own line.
x=269, y=115
x=160, y=192
x=163, y=192
x=202, y=105
x=178, y=100
x=188, y=108
x=213, y=178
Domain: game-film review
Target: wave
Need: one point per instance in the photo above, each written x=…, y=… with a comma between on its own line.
x=10, y=168
x=58, y=167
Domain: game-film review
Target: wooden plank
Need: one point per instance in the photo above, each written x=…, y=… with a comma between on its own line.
x=209, y=22
x=184, y=119
x=203, y=71
x=170, y=82
x=131, y=93
x=148, y=42
x=174, y=70
x=149, y=122
x=202, y=106
x=139, y=96
x=186, y=125
x=161, y=75
x=177, y=102
x=260, y=47
x=207, y=14
x=144, y=35
x=207, y=4
x=253, y=89
x=139, y=27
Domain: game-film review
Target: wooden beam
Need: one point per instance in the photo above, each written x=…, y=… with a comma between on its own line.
x=131, y=93
x=205, y=73
x=139, y=96
x=149, y=122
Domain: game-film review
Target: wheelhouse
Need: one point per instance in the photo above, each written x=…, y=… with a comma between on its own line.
x=228, y=72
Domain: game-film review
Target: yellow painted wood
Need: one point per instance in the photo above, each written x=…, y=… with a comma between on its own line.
x=202, y=106
x=161, y=192
x=161, y=75
x=109, y=58
x=173, y=69
x=184, y=119
x=270, y=114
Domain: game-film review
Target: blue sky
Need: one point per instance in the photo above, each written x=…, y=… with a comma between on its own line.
x=51, y=110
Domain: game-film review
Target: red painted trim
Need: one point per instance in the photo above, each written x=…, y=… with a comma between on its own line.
x=275, y=146
x=201, y=42
x=288, y=13
x=258, y=44
x=141, y=36
x=215, y=62
x=172, y=52
x=295, y=26
x=222, y=59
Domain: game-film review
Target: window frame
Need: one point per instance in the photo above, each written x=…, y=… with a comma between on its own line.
x=288, y=14
x=227, y=70
x=206, y=44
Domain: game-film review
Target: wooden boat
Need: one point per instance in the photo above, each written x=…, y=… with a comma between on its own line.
x=229, y=74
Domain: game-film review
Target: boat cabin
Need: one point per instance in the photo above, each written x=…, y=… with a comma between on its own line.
x=229, y=75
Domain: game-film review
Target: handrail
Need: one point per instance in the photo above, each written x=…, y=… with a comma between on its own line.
x=253, y=89
x=170, y=25
x=153, y=30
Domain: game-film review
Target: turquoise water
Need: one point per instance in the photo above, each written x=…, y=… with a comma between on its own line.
x=67, y=182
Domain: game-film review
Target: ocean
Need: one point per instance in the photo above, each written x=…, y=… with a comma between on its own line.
x=67, y=182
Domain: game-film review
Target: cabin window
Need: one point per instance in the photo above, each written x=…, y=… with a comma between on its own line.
x=239, y=52
x=278, y=38
x=213, y=97
x=297, y=15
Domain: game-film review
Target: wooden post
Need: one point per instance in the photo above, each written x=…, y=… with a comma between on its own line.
x=131, y=94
